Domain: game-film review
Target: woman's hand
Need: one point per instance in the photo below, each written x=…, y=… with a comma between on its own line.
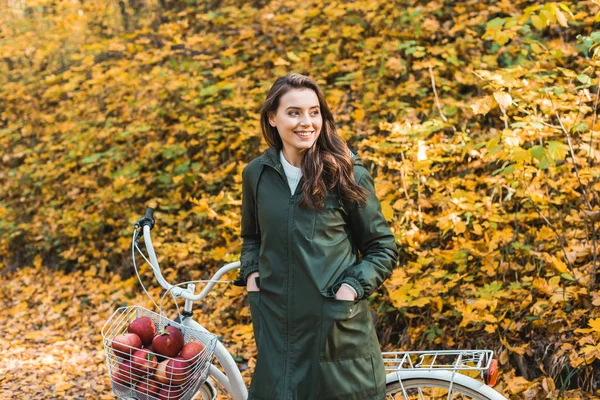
x=345, y=293
x=251, y=285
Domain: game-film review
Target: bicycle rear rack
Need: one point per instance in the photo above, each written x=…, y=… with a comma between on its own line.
x=450, y=360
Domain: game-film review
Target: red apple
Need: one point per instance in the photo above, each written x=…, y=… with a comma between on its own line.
x=124, y=345
x=124, y=375
x=143, y=327
x=178, y=371
x=171, y=393
x=168, y=342
x=191, y=350
x=146, y=388
x=161, y=372
x=143, y=361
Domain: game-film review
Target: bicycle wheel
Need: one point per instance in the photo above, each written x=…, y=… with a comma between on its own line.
x=205, y=393
x=431, y=385
x=429, y=389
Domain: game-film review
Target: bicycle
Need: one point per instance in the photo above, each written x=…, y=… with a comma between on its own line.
x=410, y=375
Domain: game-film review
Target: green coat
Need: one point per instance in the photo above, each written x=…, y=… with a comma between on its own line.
x=310, y=345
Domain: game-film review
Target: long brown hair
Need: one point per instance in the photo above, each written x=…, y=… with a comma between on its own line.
x=327, y=165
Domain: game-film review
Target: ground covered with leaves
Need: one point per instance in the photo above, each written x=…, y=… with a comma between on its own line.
x=477, y=119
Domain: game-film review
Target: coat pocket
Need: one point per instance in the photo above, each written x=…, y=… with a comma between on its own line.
x=346, y=330
x=330, y=223
x=353, y=379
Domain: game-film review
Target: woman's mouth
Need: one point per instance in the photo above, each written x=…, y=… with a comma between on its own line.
x=303, y=134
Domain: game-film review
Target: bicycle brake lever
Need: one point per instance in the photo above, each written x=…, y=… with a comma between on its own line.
x=147, y=219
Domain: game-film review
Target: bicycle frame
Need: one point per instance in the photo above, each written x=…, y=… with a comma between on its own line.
x=232, y=379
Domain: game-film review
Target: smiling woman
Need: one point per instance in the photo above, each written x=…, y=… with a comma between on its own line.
x=315, y=245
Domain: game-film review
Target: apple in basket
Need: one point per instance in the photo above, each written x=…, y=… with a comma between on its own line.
x=190, y=352
x=143, y=327
x=173, y=371
x=178, y=371
x=146, y=388
x=124, y=375
x=126, y=344
x=161, y=372
x=143, y=361
x=168, y=341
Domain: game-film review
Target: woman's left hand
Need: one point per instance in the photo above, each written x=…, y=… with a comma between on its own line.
x=345, y=293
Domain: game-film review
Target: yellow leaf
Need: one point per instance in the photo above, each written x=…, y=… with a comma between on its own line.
x=420, y=302
x=460, y=227
x=63, y=387
x=292, y=56
x=281, y=62
x=387, y=210
x=400, y=297
x=503, y=99
x=537, y=22
x=501, y=37
x=358, y=114
x=517, y=349
x=482, y=105
x=548, y=385
x=591, y=352
x=37, y=261
x=18, y=309
x=90, y=272
x=60, y=307
x=595, y=324
x=560, y=17
x=34, y=335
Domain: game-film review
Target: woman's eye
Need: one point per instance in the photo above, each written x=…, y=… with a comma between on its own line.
x=294, y=113
x=314, y=113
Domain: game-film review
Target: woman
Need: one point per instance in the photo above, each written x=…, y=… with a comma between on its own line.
x=309, y=210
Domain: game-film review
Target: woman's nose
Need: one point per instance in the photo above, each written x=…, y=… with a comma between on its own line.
x=304, y=120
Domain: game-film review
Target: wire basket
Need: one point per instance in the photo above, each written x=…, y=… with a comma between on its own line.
x=139, y=377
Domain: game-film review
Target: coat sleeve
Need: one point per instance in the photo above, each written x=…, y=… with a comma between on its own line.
x=374, y=239
x=250, y=232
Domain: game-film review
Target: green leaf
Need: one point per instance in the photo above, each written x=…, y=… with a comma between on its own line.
x=495, y=24
x=537, y=152
x=595, y=36
x=493, y=142
x=567, y=276
x=509, y=169
x=582, y=127
x=543, y=163
x=583, y=78
x=557, y=150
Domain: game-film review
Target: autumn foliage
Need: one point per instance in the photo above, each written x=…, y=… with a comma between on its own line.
x=478, y=120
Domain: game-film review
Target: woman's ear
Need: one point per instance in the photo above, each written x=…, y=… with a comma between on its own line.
x=271, y=117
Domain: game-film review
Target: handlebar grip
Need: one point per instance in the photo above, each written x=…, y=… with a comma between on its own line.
x=146, y=220
x=149, y=213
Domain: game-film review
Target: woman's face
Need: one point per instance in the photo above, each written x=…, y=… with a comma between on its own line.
x=298, y=120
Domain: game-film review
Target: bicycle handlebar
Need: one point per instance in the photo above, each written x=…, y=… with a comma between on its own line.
x=146, y=224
